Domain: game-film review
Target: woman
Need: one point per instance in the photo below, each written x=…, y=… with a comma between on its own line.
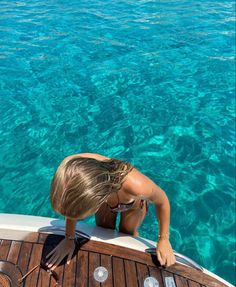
x=88, y=183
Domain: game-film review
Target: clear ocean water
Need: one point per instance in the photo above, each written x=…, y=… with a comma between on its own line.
x=151, y=82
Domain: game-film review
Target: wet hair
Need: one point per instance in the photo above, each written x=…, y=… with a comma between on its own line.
x=81, y=184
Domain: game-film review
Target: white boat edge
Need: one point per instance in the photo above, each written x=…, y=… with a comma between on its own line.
x=17, y=226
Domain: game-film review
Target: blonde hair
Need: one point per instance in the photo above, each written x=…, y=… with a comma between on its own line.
x=81, y=184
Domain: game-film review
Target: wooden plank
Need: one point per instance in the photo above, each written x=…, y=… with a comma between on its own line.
x=130, y=273
x=117, y=251
x=24, y=256
x=35, y=257
x=82, y=269
x=156, y=273
x=195, y=275
x=14, y=251
x=31, y=237
x=142, y=273
x=70, y=271
x=193, y=284
x=118, y=272
x=180, y=281
x=106, y=261
x=94, y=262
x=44, y=278
x=4, y=249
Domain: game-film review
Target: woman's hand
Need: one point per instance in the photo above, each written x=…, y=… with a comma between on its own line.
x=165, y=253
x=65, y=248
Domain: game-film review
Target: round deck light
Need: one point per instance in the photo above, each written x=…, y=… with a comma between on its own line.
x=151, y=282
x=100, y=274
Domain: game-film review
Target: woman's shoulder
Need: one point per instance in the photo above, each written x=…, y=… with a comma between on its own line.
x=137, y=183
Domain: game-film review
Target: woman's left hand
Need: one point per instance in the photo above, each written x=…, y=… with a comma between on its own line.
x=165, y=253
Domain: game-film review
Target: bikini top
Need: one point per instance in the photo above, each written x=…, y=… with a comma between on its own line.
x=121, y=207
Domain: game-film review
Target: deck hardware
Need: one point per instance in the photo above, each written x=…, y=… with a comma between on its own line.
x=151, y=282
x=169, y=282
x=100, y=274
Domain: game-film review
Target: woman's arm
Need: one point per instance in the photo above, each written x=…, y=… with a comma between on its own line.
x=70, y=227
x=159, y=198
x=65, y=248
x=137, y=184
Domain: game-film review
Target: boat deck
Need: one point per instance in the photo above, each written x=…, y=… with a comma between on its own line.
x=125, y=266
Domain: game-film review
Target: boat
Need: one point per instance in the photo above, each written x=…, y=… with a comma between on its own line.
x=103, y=258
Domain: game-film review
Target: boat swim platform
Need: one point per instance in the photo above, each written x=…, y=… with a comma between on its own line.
x=102, y=258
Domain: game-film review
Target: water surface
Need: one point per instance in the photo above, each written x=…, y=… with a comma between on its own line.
x=151, y=82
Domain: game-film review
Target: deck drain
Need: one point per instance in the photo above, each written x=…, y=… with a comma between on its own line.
x=5, y=281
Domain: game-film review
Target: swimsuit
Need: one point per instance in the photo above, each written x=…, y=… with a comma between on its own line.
x=121, y=207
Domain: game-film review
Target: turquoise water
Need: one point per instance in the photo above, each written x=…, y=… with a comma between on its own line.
x=147, y=81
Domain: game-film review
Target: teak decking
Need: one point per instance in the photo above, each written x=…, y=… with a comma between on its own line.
x=126, y=267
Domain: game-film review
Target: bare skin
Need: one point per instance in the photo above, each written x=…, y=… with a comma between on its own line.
x=136, y=186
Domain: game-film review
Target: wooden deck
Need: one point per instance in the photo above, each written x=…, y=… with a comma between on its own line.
x=126, y=267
